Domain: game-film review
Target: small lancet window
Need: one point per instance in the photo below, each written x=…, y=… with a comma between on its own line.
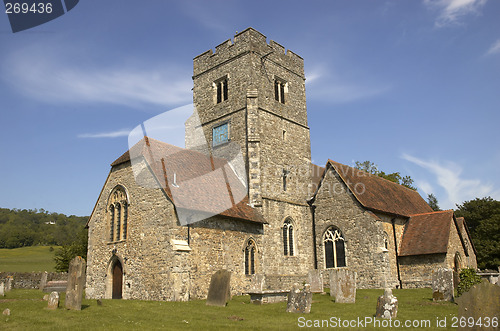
x=279, y=90
x=284, y=176
x=250, y=258
x=222, y=92
x=288, y=248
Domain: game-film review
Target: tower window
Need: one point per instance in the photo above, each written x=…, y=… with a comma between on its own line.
x=222, y=93
x=334, y=245
x=250, y=257
x=288, y=238
x=279, y=90
x=220, y=134
x=284, y=176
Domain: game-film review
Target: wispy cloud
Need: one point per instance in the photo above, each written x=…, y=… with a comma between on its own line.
x=329, y=86
x=494, y=49
x=55, y=79
x=449, y=177
x=451, y=12
x=112, y=134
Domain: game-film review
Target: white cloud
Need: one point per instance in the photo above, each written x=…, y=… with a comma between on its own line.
x=450, y=12
x=112, y=134
x=494, y=49
x=449, y=177
x=55, y=79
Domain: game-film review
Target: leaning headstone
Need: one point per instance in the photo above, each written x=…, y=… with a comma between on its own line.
x=8, y=285
x=219, y=292
x=6, y=312
x=258, y=282
x=76, y=284
x=43, y=281
x=53, y=300
x=387, y=305
x=343, y=285
x=2, y=289
x=315, y=279
x=299, y=300
x=442, y=285
x=480, y=302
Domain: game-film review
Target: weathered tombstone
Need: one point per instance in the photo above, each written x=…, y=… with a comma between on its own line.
x=8, y=285
x=53, y=300
x=480, y=302
x=219, y=291
x=76, y=284
x=299, y=300
x=258, y=282
x=43, y=281
x=46, y=297
x=315, y=279
x=2, y=289
x=343, y=285
x=387, y=305
x=442, y=285
x=6, y=312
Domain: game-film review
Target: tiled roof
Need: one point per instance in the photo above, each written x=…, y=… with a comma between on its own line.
x=427, y=233
x=202, y=183
x=379, y=194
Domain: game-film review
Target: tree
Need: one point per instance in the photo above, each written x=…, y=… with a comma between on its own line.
x=433, y=202
x=67, y=252
x=372, y=168
x=483, y=219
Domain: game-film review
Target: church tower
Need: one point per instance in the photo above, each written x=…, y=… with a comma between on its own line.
x=253, y=93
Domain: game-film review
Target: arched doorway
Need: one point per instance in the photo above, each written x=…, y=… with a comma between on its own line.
x=117, y=280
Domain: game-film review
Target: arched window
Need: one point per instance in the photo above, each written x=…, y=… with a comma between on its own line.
x=118, y=214
x=334, y=248
x=386, y=240
x=250, y=251
x=288, y=238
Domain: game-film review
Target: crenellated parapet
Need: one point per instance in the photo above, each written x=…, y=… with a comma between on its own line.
x=248, y=41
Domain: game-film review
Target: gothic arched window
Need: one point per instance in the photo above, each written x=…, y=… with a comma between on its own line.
x=334, y=244
x=288, y=238
x=118, y=214
x=250, y=251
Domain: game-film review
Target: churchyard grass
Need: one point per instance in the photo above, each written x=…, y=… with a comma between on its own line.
x=28, y=312
x=28, y=259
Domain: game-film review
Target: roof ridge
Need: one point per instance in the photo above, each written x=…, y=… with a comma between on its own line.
x=433, y=212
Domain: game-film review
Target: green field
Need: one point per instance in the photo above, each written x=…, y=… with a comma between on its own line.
x=28, y=312
x=27, y=259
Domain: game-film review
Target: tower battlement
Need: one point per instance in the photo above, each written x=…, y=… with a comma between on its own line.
x=248, y=41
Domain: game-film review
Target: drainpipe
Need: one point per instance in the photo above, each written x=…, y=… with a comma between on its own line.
x=393, y=221
x=313, y=208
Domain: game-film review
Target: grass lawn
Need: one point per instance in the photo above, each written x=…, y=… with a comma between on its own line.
x=28, y=312
x=27, y=259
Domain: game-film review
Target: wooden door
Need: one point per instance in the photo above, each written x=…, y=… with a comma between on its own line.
x=117, y=280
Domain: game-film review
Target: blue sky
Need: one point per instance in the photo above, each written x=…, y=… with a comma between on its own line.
x=413, y=86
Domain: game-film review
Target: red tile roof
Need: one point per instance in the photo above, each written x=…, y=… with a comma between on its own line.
x=379, y=194
x=427, y=233
x=203, y=183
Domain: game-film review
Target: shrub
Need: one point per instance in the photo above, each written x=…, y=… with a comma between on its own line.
x=468, y=278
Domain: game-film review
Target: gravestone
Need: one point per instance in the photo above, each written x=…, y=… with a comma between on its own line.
x=480, y=302
x=219, y=291
x=299, y=300
x=442, y=285
x=258, y=282
x=43, y=281
x=343, y=285
x=53, y=302
x=76, y=284
x=315, y=279
x=8, y=285
x=387, y=305
x=2, y=289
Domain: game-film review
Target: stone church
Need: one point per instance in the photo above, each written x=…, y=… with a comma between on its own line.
x=288, y=217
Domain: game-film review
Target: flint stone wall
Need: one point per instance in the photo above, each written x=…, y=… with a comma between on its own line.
x=30, y=280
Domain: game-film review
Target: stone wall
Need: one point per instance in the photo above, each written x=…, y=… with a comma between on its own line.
x=416, y=271
x=31, y=280
x=362, y=231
